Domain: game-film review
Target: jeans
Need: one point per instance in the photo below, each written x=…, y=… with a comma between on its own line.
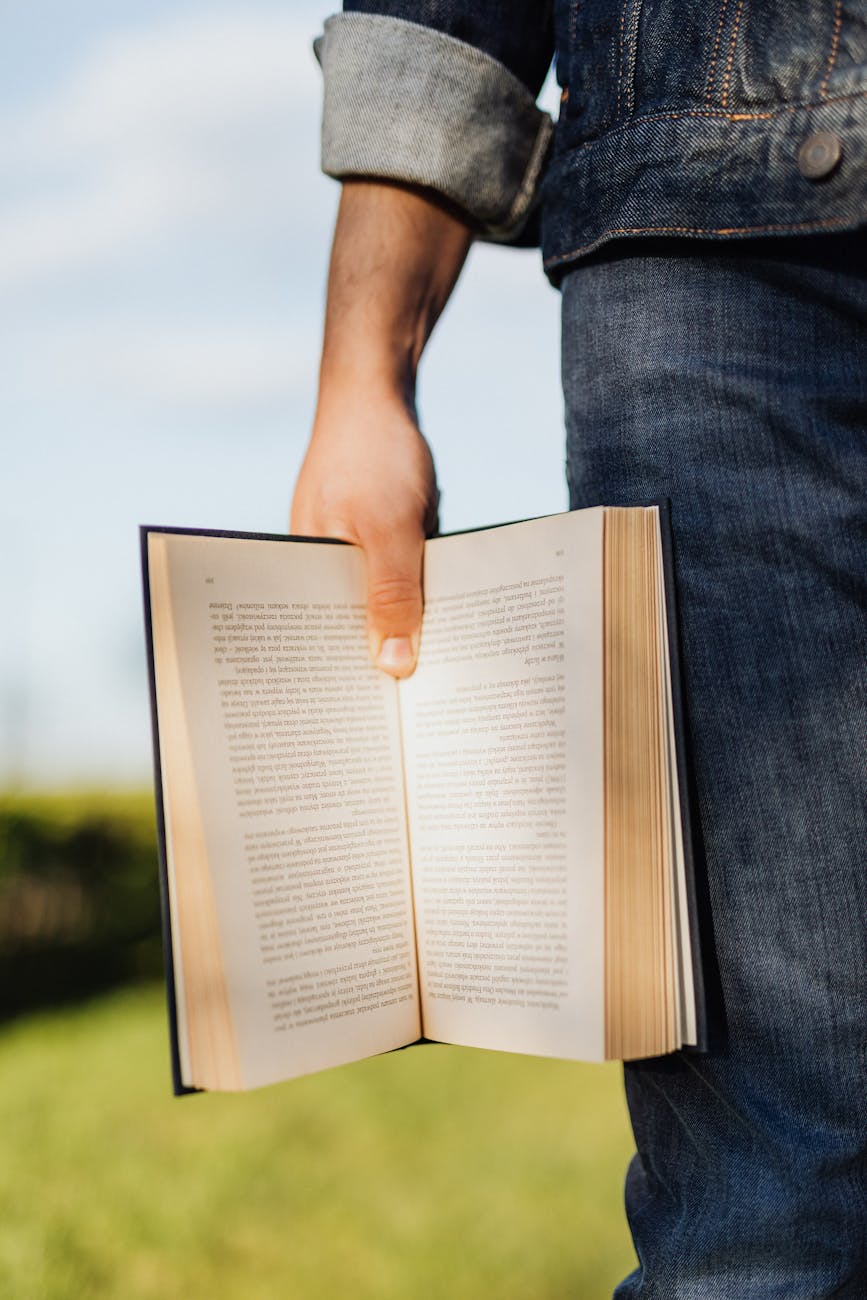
x=733, y=380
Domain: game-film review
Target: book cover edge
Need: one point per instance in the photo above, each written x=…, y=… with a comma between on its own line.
x=684, y=776
x=179, y=1088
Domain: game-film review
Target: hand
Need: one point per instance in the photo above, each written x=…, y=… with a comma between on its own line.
x=368, y=478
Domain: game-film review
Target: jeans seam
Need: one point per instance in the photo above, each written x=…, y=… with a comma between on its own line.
x=724, y=97
x=632, y=55
x=621, y=45
x=835, y=46
x=711, y=74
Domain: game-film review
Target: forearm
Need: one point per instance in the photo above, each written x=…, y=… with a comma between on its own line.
x=395, y=259
x=368, y=476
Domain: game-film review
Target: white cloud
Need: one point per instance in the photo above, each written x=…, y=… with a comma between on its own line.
x=94, y=222
x=203, y=117
x=189, y=74
x=223, y=367
x=227, y=369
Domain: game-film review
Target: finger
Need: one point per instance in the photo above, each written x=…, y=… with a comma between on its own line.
x=394, y=600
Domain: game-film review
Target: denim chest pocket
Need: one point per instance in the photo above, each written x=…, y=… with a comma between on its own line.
x=621, y=59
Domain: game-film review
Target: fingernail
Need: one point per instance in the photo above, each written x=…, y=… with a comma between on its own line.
x=395, y=655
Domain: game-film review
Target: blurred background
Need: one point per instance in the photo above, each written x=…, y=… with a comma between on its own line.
x=164, y=234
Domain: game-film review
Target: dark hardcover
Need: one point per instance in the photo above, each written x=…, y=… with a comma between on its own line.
x=178, y=1086
x=694, y=894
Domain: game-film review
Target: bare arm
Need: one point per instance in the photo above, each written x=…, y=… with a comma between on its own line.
x=368, y=476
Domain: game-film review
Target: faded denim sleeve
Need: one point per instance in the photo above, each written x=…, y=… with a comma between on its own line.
x=442, y=94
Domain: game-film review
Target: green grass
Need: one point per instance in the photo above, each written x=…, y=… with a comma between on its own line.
x=68, y=808
x=434, y=1172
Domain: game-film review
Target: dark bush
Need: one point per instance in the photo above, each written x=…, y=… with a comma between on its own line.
x=79, y=896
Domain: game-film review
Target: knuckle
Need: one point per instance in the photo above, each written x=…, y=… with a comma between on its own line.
x=394, y=593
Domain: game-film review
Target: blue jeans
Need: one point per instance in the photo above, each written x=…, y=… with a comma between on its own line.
x=733, y=379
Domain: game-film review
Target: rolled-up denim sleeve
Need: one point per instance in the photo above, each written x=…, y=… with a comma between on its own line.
x=447, y=102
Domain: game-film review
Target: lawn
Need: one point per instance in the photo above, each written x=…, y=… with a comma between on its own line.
x=435, y=1172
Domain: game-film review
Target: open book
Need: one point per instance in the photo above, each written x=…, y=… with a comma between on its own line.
x=493, y=852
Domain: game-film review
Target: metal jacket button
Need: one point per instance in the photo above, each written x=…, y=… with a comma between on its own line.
x=819, y=155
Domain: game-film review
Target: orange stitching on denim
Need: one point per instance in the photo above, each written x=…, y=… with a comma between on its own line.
x=697, y=230
x=713, y=58
x=725, y=86
x=835, y=45
x=719, y=114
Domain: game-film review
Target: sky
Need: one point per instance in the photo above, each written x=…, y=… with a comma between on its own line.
x=164, y=236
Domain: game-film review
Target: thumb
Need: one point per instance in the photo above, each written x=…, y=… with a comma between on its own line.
x=394, y=600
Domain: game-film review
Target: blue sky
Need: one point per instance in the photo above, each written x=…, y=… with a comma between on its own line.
x=164, y=234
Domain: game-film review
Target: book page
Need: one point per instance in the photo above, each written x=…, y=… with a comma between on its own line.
x=503, y=743
x=296, y=749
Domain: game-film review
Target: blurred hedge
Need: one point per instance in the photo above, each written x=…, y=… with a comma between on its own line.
x=79, y=896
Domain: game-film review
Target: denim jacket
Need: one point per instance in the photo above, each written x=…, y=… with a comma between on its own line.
x=720, y=120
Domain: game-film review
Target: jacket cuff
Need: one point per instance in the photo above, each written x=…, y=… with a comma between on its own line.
x=407, y=103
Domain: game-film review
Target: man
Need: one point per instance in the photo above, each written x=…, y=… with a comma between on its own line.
x=700, y=209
